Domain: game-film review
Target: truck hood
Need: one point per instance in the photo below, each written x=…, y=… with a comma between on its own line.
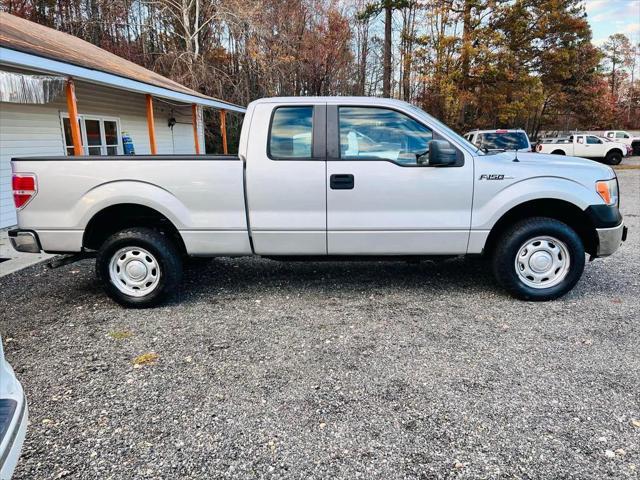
x=531, y=165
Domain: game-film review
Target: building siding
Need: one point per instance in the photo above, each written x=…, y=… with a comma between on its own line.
x=30, y=130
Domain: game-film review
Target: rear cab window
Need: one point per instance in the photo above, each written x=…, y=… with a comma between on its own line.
x=503, y=140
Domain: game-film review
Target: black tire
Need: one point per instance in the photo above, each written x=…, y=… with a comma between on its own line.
x=164, y=252
x=558, y=152
x=613, y=158
x=508, y=247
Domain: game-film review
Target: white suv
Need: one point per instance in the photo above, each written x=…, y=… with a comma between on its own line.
x=501, y=139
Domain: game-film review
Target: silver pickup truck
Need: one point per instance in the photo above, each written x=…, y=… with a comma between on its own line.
x=332, y=177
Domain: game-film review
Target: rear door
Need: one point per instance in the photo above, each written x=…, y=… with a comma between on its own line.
x=286, y=179
x=380, y=201
x=580, y=148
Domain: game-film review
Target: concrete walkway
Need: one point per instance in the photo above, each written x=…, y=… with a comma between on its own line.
x=12, y=261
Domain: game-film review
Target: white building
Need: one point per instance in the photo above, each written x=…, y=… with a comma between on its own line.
x=45, y=75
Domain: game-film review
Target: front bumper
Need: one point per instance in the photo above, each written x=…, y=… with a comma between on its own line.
x=610, y=239
x=25, y=241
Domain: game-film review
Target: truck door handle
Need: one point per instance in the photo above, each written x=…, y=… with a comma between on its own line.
x=341, y=181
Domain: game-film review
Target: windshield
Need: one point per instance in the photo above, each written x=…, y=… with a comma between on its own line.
x=441, y=126
x=503, y=140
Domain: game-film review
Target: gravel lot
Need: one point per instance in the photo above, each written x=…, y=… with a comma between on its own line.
x=324, y=370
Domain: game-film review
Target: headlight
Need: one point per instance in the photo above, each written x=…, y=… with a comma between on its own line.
x=608, y=190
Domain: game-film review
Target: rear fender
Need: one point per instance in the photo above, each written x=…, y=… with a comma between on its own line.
x=132, y=192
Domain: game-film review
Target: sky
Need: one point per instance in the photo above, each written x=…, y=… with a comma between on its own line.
x=607, y=17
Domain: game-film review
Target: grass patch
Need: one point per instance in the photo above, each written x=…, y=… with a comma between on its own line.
x=626, y=167
x=148, y=358
x=121, y=334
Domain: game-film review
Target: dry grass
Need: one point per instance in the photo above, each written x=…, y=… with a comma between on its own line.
x=121, y=334
x=148, y=358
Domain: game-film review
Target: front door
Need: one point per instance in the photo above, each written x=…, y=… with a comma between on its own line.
x=380, y=200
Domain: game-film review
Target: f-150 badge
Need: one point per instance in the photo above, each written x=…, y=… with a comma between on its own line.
x=492, y=176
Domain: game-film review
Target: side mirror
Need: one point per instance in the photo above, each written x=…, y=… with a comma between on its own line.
x=441, y=154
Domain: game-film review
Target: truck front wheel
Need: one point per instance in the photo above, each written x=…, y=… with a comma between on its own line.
x=613, y=158
x=139, y=267
x=539, y=259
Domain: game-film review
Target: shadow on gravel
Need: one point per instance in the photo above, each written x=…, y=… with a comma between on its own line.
x=244, y=276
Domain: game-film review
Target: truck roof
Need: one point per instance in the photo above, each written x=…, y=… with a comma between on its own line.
x=335, y=100
x=496, y=130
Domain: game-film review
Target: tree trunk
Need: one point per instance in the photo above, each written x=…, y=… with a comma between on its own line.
x=364, y=53
x=465, y=60
x=386, y=69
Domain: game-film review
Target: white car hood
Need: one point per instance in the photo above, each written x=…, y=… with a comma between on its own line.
x=560, y=165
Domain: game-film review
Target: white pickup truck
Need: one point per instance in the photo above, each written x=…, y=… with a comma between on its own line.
x=585, y=146
x=621, y=136
x=323, y=177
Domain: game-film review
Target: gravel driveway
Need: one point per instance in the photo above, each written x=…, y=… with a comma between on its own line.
x=322, y=370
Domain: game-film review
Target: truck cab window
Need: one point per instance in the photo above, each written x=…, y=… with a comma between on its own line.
x=291, y=133
x=371, y=133
x=591, y=140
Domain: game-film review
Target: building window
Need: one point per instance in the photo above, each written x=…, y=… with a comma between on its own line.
x=99, y=135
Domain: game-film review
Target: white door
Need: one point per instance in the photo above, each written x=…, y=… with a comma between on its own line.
x=595, y=147
x=182, y=139
x=580, y=147
x=380, y=201
x=286, y=190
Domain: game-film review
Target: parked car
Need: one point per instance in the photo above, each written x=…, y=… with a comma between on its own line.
x=13, y=418
x=621, y=136
x=500, y=140
x=325, y=177
x=585, y=146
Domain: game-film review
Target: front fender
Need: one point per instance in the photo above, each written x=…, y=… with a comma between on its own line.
x=490, y=206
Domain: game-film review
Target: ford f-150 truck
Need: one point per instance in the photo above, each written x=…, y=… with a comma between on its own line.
x=323, y=177
x=586, y=146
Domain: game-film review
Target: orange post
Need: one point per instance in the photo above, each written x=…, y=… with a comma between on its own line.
x=72, y=106
x=223, y=130
x=151, y=125
x=194, y=120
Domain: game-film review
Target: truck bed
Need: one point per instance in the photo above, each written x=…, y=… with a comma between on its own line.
x=202, y=196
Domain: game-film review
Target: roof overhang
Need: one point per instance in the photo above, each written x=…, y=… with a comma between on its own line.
x=34, y=62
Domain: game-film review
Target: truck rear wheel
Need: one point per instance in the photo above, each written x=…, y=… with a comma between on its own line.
x=139, y=267
x=613, y=158
x=539, y=259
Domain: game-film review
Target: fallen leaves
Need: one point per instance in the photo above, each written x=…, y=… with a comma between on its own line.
x=148, y=358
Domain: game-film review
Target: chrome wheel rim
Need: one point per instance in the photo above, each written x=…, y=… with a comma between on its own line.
x=134, y=271
x=542, y=262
